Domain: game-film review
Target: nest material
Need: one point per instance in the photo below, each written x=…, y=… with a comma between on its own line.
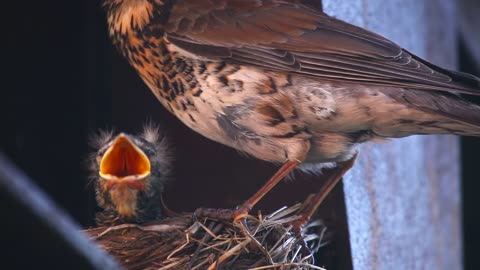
x=179, y=243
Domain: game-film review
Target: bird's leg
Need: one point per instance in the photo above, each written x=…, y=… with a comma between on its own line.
x=228, y=214
x=309, y=210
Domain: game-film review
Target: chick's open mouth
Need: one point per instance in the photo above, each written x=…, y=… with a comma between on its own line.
x=124, y=161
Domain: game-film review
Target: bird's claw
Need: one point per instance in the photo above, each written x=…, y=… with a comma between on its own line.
x=297, y=229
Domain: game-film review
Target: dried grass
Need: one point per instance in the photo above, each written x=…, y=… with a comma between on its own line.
x=255, y=243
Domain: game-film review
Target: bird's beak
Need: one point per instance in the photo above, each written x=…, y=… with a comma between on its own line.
x=124, y=163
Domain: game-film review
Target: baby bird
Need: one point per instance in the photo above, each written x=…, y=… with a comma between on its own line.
x=129, y=173
x=286, y=83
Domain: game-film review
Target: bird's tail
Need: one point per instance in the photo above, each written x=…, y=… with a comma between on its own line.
x=450, y=114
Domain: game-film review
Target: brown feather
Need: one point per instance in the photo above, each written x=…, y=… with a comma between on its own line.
x=289, y=36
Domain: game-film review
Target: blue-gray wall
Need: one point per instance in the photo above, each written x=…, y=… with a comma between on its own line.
x=403, y=196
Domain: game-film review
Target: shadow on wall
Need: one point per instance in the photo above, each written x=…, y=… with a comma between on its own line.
x=470, y=148
x=470, y=62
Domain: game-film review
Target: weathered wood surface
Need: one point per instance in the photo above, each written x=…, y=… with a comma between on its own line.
x=403, y=197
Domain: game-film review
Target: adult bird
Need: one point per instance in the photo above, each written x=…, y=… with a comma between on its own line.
x=286, y=83
x=129, y=173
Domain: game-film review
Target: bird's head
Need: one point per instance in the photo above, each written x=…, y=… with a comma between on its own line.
x=130, y=172
x=126, y=15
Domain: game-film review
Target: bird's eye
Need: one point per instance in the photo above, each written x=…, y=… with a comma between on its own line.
x=147, y=147
x=101, y=152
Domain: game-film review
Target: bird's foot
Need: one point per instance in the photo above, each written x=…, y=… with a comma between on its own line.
x=297, y=229
x=222, y=214
x=309, y=235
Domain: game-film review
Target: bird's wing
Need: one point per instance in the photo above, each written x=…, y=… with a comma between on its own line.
x=286, y=35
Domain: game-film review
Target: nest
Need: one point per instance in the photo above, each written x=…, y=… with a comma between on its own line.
x=181, y=243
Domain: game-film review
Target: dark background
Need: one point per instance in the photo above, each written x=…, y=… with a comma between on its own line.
x=62, y=80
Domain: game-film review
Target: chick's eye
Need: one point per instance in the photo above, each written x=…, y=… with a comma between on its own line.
x=99, y=158
x=146, y=143
x=142, y=144
x=101, y=152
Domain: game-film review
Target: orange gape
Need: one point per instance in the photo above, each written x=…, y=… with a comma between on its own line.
x=124, y=162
